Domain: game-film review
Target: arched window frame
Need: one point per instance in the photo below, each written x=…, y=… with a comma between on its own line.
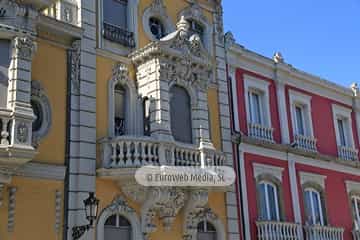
x=133, y=108
x=267, y=199
x=119, y=207
x=214, y=220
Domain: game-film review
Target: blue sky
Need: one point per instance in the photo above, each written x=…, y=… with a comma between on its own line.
x=321, y=37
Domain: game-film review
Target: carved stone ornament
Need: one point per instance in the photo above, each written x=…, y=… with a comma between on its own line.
x=229, y=40
x=22, y=132
x=74, y=59
x=278, y=57
x=181, y=57
x=119, y=204
x=165, y=201
x=39, y=97
x=120, y=74
x=219, y=22
x=25, y=47
x=157, y=9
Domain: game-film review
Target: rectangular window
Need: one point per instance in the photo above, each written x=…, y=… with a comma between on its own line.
x=356, y=210
x=314, y=208
x=342, y=134
x=268, y=200
x=299, y=114
x=4, y=68
x=115, y=13
x=255, y=108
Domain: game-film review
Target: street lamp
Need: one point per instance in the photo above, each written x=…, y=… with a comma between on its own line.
x=91, y=211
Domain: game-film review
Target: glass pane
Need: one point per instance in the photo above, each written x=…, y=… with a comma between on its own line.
x=120, y=104
x=262, y=202
x=308, y=210
x=299, y=120
x=255, y=110
x=111, y=221
x=115, y=12
x=272, y=203
x=37, y=109
x=180, y=114
x=123, y=222
x=156, y=28
x=341, y=132
x=317, y=208
x=4, y=67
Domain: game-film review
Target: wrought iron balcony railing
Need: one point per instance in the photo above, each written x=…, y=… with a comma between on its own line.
x=348, y=153
x=270, y=230
x=129, y=152
x=261, y=132
x=119, y=35
x=323, y=233
x=356, y=234
x=305, y=143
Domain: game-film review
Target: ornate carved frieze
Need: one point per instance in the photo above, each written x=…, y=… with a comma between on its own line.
x=11, y=209
x=74, y=62
x=1, y=193
x=58, y=210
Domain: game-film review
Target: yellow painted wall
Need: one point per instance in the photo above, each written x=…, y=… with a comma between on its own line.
x=107, y=190
x=50, y=68
x=214, y=117
x=34, y=211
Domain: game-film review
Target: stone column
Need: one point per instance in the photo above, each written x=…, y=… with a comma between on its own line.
x=19, y=91
x=356, y=107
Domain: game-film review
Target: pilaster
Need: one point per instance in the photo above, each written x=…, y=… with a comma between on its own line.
x=82, y=119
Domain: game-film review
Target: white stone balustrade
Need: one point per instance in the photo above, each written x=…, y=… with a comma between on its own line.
x=323, y=233
x=261, y=132
x=305, y=143
x=4, y=127
x=356, y=234
x=129, y=152
x=269, y=230
x=348, y=153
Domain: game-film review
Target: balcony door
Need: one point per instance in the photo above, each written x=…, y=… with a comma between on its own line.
x=268, y=202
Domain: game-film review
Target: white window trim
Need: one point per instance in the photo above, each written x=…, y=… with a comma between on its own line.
x=314, y=191
x=356, y=213
x=344, y=113
x=132, y=20
x=299, y=99
x=260, y=169
x=306, y=177
x=254, y=84
x=232, y=76
x=267, y=204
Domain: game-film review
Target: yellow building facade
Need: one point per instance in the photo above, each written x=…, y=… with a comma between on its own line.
x=92, y=90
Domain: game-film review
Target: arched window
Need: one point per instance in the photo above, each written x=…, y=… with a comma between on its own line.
x=120, y=110
x=268, y=202
x=314, y=207
x=180, y=114
x=206, y=231
x=117, y=227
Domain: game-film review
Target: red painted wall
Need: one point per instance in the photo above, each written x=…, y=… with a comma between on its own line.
x=323, y=124
x=273, y=102
x=251, y=188
x=338, y=208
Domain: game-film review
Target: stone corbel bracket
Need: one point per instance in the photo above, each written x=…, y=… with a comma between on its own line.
x=165, y=201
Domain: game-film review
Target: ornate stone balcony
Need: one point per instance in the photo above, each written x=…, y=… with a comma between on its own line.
x=133, y=152
x=305, y=143
x=348, y=153
x=261, y=132
x=323, y=233
x=13, y=153
x=356, y=234
x=269, y=230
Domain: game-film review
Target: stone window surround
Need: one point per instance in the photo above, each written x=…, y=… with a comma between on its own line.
x=262, y=86
x=299, y=99
x=132, y=27
x=343, y=113
x=157, y=9
x=353, y=190
x=272, y=175
x=123, y=210
x=315, y=182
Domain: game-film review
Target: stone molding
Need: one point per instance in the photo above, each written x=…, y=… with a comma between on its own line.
x=157, y=9
x=25, y=48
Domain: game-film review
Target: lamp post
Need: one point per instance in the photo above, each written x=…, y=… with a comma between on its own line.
x=91, y=211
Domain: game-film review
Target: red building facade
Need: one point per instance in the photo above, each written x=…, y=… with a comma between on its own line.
x=297, y=141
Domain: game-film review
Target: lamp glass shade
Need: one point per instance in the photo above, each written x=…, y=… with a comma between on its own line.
x=91, y=207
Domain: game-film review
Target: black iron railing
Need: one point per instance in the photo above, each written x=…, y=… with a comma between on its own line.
x=119, y=35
